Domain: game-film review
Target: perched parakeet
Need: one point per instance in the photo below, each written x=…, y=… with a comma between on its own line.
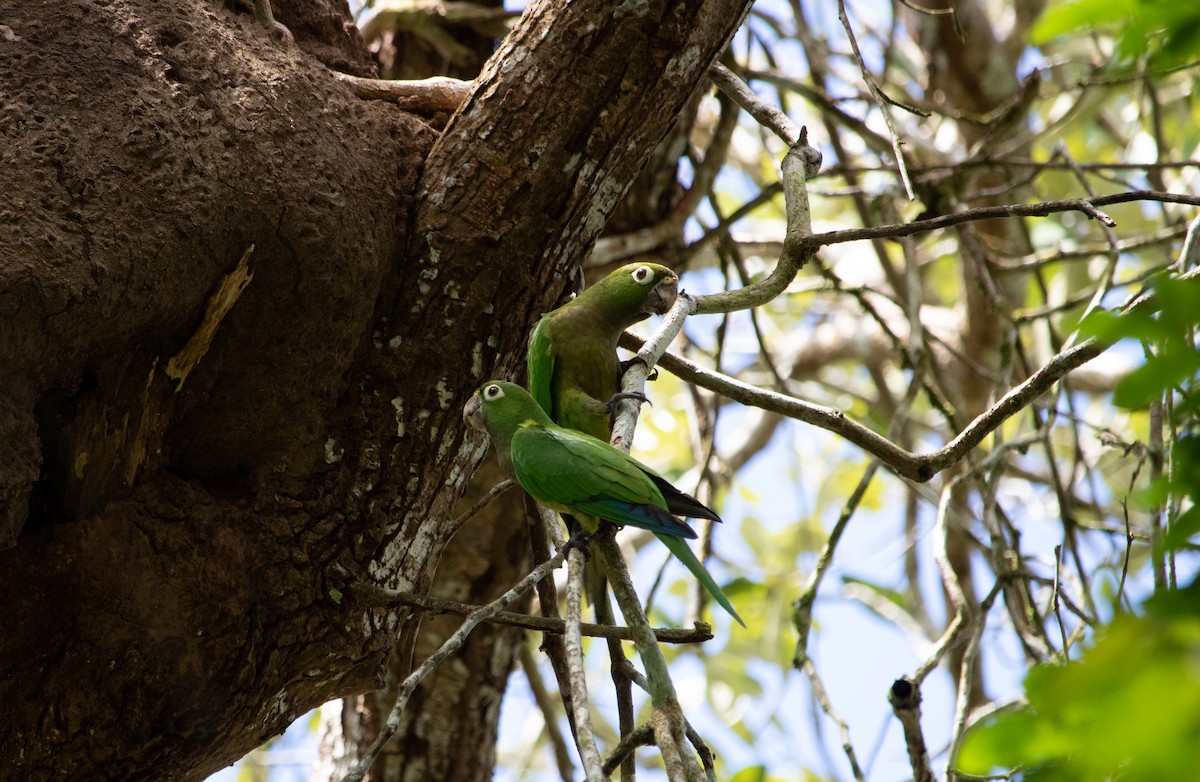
x=574, y=372
x=580, y=475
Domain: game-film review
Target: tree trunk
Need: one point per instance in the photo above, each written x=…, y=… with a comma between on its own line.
x=193, y=472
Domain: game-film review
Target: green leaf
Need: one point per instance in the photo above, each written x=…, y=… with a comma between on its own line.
x=1070, y=17
x=1095, y=718
x=750, y=774
x=1178, y=302
x=1148, y=382
x=1187, y=525
x=1164, y=30
x=1110, y=326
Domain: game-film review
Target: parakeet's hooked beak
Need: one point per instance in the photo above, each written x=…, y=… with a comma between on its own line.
x=664, y=295
x=473, y=412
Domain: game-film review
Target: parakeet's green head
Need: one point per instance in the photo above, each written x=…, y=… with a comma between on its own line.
x=636, y=290
x=499, y=407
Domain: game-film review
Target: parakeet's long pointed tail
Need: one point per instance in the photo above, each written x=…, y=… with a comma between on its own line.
x=683, y=552
x=680, y=504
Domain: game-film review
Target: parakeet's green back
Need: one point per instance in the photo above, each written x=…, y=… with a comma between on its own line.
x=577, y=474
x=613, y=486
x=573, y=366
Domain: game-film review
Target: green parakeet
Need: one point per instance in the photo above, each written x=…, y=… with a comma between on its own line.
x=574, y=372
x=580, y=475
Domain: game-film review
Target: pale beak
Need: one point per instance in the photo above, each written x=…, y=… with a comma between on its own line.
x=473, y=413
x=665, y=293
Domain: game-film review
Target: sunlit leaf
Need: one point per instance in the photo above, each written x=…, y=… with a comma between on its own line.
x=1096, y=718
x=1148, y=382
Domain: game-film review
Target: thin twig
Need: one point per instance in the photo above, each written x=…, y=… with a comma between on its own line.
x=452, y=645
x=373, y=595
x=880, y=100
x=1041, y=209
x=546, y=704
x=802, y=608
x=479, y=505
x=818, y=688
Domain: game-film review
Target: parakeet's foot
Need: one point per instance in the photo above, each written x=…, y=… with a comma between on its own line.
x=617, y=397
x=625, y=365
x=579, y=540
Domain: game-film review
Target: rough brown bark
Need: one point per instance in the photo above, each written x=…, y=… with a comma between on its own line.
x=174, y=593
x=459, y=704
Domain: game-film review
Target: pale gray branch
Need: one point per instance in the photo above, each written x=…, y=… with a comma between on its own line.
x=423, y=96
x=585, y=737
x=904, y=463
x=764, y=113
x=370, y=594
x=452, y=645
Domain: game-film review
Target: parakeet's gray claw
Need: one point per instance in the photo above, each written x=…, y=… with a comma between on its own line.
x=625, y=365
x=579, y=540
x=638, y=395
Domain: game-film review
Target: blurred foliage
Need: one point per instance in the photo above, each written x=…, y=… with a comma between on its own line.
x=1129, y=708
x=1165, y=32
x=1166, y=327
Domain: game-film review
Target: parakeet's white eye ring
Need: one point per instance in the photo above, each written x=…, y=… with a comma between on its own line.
x=642, y=274
x=492, y=392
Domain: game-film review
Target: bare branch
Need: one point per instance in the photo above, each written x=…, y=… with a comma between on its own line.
x=452, y=645
x=818, y=688
x=1042, y=209
x=878, y=95
x=642, y=736
x=585, y=737
x=764, y=113
x=422, y=96
x=480, y=504
x=546, y=704
x=904, y=463
x=373, y=595
x=905, y=697
x=667, y=717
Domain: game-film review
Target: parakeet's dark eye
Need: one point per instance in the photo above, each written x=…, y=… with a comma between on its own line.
x=492, y=391
x=642, y=274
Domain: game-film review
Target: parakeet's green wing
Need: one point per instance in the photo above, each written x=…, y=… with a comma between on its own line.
x=540, y=359
x=568, y=470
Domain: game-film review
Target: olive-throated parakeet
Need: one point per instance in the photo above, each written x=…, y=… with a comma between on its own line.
x=577, y=474
x=574, y=371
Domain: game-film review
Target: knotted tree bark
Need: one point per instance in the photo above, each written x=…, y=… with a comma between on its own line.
x=202, y=446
